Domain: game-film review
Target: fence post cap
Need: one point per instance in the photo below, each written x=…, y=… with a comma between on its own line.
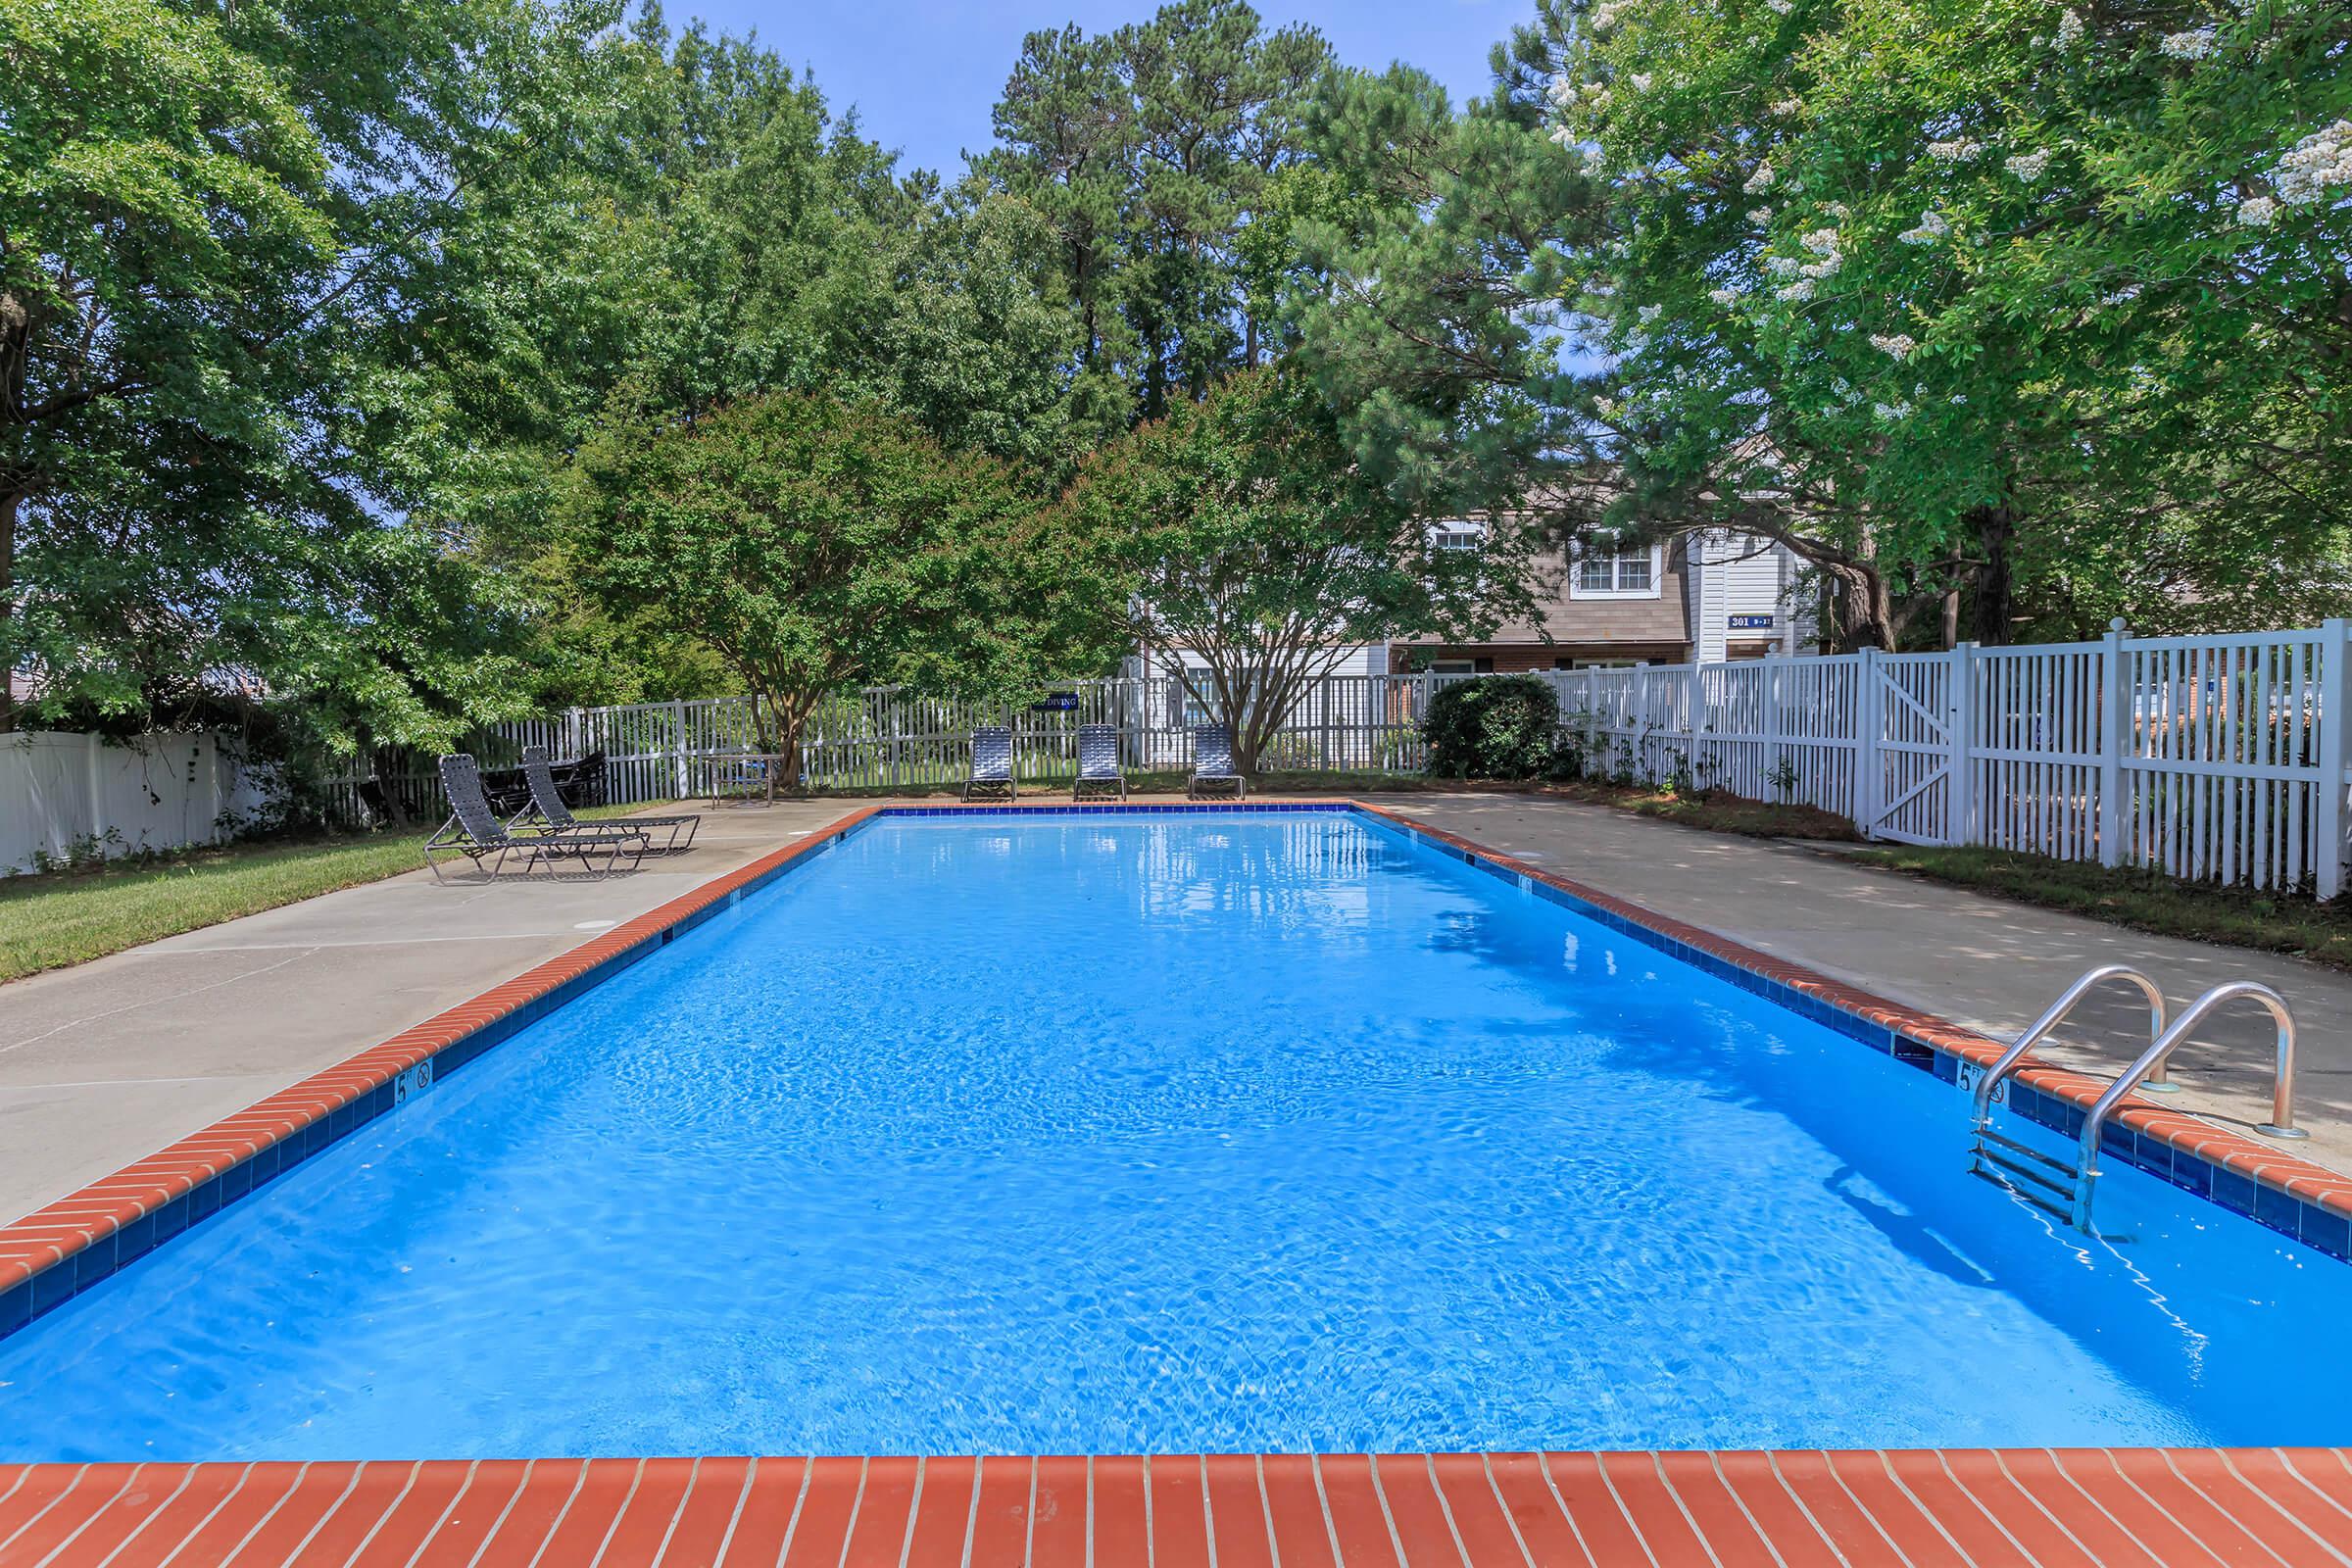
x=2115, y=625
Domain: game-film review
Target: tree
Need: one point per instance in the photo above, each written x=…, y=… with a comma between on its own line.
x=1430, y=301
x=817, y=544
x=1980, y=298
x=1240, y=534
x=1152, y=151
x=221, y=231
x=719, y=234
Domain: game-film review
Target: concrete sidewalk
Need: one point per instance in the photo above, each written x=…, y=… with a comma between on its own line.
x=1980, y=962
x=104, y=1063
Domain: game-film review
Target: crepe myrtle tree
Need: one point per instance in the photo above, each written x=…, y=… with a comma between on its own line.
x=1252, y=552
x=817, y=544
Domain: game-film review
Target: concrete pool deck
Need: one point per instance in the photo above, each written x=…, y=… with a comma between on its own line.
x=104, y=1063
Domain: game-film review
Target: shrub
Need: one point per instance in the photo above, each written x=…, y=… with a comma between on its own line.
x=1498, y=726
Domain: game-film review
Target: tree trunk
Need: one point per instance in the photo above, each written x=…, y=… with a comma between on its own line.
x=786, y=775
x=1864, y=616
x=1951, y=619
x=1997, y=530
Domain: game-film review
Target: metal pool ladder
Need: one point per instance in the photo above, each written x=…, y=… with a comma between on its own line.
x=2064, y=1190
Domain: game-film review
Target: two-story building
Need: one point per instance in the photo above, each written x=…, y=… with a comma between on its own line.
x=1704, y=596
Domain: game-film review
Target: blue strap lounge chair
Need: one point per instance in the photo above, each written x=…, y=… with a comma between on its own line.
x=991, y=765
x=547, y=808
x=474, y=831
x=1099, y=777
x=1214, y=774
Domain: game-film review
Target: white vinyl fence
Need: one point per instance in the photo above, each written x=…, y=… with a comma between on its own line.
x=2218, y=760
x=65, y=796
x=2213, y=758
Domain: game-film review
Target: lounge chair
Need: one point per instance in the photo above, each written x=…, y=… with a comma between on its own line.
x=1099, y=774
x=474, y=831
x=547, y=808
x=991, y=765
x=1214, y=774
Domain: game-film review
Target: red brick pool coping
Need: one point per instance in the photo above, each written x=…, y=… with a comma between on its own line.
x=2091, y=1506
x=2081, y=1509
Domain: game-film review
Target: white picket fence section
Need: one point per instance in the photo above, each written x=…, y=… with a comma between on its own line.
x=2219, y=760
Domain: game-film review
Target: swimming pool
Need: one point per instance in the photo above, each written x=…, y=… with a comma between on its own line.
x=1222, y=1131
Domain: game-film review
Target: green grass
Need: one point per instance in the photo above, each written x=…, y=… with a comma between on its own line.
x=2145, y=901
x=47, y=922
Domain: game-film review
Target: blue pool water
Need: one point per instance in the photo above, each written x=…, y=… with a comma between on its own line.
x=1177, y=1132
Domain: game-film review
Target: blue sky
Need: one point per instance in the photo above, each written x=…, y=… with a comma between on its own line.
x=924, y=73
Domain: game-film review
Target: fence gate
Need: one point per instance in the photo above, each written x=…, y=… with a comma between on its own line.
x=1911, y=724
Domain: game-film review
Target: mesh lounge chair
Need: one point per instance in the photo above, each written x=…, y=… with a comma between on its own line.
x=1099, y=774
x=547, y=808
x=474, y=831
x=991, y=765
x=1213, y=772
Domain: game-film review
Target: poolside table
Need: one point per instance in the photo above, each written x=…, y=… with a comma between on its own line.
x=745, y=778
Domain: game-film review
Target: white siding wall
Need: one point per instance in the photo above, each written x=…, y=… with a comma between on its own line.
x=1365, y=658
x=1732, y=574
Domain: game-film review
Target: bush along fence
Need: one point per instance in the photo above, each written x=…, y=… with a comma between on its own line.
x=2219, y=759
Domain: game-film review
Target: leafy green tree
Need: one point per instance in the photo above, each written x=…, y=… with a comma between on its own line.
x=817, y=545
x=1252, y=553
x=222, y=230
x=719, y=234
x=1152, y=151
x=1431, y=299
x=1983, y=297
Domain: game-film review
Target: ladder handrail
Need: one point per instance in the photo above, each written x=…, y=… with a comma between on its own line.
x=2041, y=1027
x=2282, y=1084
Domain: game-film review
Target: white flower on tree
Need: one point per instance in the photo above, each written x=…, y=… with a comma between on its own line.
x=2319, y=162
x=2256, y=212
x=1898, y=344
x=1821, y=241
x=1782, y=266
x=1649, y=312
x=1789, y=108
x=1640, y=81
x=1933, y=227
x=2029, y=167
x=1781, y=8
x=1760, y=181
x=1795, y=293
x=1723, y=296
x=1892, y=413
x=1759, y=215
x=2070, y=31
x=1606, y=15
x=2192, y=46
x=1955, y=152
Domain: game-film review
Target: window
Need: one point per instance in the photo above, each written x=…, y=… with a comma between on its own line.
x=1455, y=535
x=1454, y=667
x=1626, y=574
